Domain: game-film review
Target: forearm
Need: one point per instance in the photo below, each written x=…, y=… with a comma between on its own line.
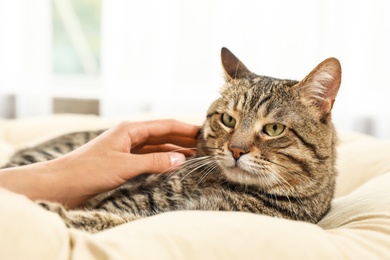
x=40, y=181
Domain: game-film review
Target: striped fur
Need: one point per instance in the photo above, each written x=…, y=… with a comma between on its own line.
x=240, y=168
x=51, y=149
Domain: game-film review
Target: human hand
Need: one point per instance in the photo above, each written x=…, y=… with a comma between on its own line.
x=120, y=153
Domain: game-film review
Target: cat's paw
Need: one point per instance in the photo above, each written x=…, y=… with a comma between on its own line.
x=60, y=210
x=54, y=207
x=88, y=220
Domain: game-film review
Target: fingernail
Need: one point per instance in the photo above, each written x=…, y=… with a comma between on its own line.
x=177, y=159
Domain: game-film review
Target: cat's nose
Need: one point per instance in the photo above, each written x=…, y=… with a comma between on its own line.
x=237, y=151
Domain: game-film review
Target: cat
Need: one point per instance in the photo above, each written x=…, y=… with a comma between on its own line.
x=267, y=146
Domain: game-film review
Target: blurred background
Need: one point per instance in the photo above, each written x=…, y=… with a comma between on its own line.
x=114, y=58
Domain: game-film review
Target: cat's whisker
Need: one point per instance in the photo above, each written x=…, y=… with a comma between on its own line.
x=211, y=169
x=199, y=163
x=278, y=164
x=195, y=164
x=304, y=208
x=184, y=165
x=185, y=176
x=285, y=185
x=168, y=172
x=281, y=179
x=211, y=148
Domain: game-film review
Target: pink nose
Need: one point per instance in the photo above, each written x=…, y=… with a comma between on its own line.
x=237, y=151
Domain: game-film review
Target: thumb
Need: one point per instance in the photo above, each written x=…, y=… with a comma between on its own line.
x=157, y=162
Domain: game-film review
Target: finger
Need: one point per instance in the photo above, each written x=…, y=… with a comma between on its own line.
x=142, y=131
x=164, y=148
x=156, y=162
x=176, y=140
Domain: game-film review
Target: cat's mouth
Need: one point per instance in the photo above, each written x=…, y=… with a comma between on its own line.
x=240, y=166
x=238, y=171
x=244, y=172
x=239, y=175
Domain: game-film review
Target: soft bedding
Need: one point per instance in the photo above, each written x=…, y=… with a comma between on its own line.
x=357, y=226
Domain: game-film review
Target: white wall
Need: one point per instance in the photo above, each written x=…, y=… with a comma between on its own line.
x=163, y=56
x=24, y=55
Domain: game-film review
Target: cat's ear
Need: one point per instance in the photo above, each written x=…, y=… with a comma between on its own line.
x=233, y=67
x=320, y=87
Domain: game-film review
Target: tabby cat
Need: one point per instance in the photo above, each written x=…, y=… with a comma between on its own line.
x=267, y=146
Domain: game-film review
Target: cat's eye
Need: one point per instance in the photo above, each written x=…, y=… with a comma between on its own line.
x=228, y=121
x=274, y=129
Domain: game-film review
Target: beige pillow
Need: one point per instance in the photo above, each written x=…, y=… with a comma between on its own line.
x=358, y=227
x=360, y=158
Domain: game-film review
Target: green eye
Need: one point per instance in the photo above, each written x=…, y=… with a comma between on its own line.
x=274, y=129
x=228, y=120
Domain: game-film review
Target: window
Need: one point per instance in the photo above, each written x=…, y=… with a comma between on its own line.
x=76, y=52
x=76, y=36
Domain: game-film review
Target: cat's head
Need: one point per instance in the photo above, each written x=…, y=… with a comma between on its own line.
x=272, y=133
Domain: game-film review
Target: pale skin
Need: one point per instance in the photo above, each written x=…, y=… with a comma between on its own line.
x=105, y=163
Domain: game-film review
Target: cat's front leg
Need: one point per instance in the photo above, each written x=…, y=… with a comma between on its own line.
x=88, y=220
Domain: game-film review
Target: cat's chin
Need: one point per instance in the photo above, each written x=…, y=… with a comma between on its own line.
x=238, y=175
